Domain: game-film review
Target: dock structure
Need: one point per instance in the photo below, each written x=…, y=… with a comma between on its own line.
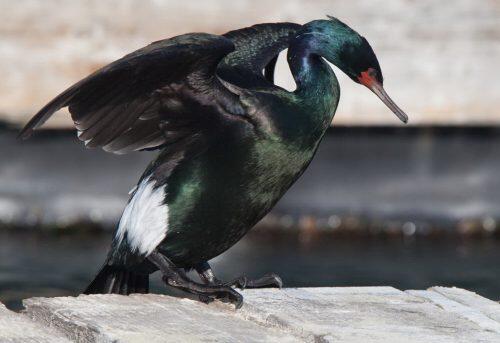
x=349, y=314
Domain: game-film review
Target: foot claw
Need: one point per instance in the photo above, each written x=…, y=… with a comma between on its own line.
x=235, y=298
x=207, y=293
x=238, y=304
x=277, y=280
x=232, y=296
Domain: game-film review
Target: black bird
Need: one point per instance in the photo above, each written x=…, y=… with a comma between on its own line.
x=231, y=142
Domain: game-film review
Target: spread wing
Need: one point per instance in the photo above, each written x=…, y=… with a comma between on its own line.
x=149, y=98
x=257, y=49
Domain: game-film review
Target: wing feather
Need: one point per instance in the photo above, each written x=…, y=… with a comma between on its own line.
x=121, y=106
x=168, y=90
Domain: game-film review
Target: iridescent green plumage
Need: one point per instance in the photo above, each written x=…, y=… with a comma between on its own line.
x=231, y=142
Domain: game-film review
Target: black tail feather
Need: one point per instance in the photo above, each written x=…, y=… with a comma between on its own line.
x=118, y=281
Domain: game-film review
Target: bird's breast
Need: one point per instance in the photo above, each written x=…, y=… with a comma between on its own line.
x=218, y=195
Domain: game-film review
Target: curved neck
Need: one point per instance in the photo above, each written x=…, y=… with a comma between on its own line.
x=316, y=82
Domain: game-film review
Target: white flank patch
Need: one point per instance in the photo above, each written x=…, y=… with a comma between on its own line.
x=145, y=219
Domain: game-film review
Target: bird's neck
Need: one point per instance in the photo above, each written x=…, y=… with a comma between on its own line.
x=316, y=82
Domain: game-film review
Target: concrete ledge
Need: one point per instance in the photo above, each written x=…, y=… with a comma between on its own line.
x=351, y=314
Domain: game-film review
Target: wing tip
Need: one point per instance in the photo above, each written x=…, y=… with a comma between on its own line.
x=47, y=111
x=35, y=122
x=25, y=133
x=38, y=120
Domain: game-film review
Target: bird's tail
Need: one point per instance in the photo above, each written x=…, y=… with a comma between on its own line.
x=114, y=280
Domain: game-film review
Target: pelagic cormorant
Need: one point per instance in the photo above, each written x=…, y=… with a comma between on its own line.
x=230, y=141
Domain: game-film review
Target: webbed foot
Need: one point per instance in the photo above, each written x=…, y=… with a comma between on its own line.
x=268, y=280
x=177, y=278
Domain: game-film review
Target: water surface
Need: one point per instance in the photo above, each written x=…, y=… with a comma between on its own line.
x=44, y=264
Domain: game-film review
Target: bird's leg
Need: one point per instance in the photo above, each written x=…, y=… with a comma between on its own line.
x=177, y=278
x=208, y=277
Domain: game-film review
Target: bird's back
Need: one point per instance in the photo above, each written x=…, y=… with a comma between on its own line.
x=256, y=47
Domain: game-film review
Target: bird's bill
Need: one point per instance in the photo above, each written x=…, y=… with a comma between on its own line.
x=379, y=91
x=368, y=79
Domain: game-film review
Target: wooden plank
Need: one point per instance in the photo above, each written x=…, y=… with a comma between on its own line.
x=351, y=314
x=360, y=314
x=484, y=312
x=147, y=318
x=489, y=307
x=16, y=328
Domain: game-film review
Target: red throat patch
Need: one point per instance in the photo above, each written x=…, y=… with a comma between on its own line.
x=367, y=78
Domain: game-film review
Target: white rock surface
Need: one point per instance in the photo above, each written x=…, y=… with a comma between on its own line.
x=439, y=58
x=16, y=328
x=354, y=314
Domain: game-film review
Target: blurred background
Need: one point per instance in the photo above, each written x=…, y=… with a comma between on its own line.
x=382, y=204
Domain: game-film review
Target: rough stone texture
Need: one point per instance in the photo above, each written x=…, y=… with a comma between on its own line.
x=355, y=314
x=16, y=328
x=438, y=59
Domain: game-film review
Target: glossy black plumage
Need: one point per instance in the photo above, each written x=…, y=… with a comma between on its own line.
x=231, y=142
x=256, y=48
x=148, y=98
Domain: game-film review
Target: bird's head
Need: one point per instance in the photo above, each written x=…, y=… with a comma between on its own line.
x=351, y=53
